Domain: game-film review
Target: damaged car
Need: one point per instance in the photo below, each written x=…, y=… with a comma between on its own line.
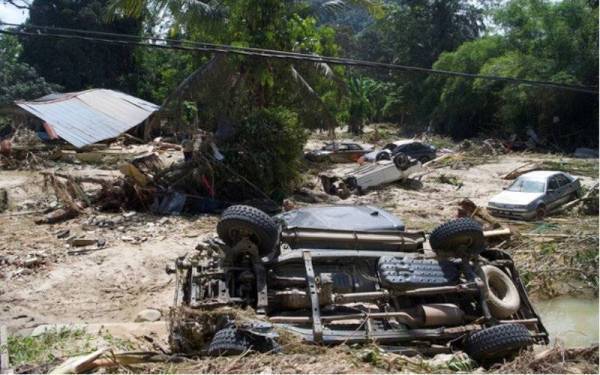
x=344, y=152
x=369, y=176
x=416, y=150
x=533, y=195
x=350, y=274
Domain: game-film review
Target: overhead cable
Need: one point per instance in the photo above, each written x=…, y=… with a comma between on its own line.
x=192, y=46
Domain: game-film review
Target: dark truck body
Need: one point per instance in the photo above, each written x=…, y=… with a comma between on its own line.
x=357, y=277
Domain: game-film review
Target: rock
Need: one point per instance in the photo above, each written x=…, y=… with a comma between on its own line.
x=148, y=315
x=163, y=221
x=63, y=233
x=31, y=262
x=129, y=214
x=82, y=242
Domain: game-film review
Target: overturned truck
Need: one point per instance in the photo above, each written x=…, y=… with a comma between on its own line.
x=350, y=274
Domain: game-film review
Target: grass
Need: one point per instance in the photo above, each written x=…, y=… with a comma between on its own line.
x=449, y=180
x=57, y=344
x=48, y=347
x=552, y=266
x=588, y=168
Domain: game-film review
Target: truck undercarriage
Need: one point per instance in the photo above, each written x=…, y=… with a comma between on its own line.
x=332, y=286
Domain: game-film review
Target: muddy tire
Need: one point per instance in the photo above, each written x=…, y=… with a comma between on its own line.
x=497, y=343
x=242, y=221
x=382, y=156
x=503, y=299
x=458, y=237
x=540, y=212
x=402, y=161
x=228, y=341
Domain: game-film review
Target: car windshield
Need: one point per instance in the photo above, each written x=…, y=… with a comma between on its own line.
x=527, y=186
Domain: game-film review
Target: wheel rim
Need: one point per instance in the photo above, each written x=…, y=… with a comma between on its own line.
x=540, y=213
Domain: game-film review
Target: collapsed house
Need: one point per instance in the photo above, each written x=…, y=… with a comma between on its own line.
x=85, y=117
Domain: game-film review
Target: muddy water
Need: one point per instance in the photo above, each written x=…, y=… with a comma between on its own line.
x=572, y=321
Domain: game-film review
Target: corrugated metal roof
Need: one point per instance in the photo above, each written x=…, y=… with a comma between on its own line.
x=86, y=117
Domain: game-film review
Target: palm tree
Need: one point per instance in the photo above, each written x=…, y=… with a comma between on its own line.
x=257, y=23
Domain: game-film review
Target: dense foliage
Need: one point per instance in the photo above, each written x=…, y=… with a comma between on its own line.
x=18, y=80
x=541, y=40
x=533, y=39
x=76, y=64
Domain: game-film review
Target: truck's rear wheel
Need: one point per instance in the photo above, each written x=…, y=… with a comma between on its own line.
x=458, y=237
x=238, y=222
x=228, y=341
x=498, y=342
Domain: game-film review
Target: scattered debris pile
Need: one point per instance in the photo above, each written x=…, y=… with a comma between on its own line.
x=24, y=150
x=556, y=360
x=147, y=185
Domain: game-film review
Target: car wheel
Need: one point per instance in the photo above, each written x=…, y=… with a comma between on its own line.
x=401, y=161
x=458, y=237
x=498, y=342
x=228, y=341
x=382, y=156
x=424, y=159
x=540, y=212
x=238, y=222
x=503, y=298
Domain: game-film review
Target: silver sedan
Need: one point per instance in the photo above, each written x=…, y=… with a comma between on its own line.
x=534, y=194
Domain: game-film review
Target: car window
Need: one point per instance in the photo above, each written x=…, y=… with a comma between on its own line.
x=524, y=185
x=328, y=147
x=552, y=183
x=353, y=146
x=401, y=148
x=343, y=147
x=562, y=180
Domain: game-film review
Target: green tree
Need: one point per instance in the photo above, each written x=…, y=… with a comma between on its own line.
x=540, y=40
x=416, y=32
x=18, y=80
x=246, y=93
x=76, y=64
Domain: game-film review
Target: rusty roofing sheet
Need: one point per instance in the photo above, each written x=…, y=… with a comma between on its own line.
x=86, y=117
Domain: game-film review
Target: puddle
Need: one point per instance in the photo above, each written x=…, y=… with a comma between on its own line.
x=574, y=321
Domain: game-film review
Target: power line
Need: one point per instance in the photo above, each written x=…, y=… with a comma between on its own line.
x=187, y=45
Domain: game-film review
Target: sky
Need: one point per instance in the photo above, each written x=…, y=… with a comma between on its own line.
x=10, y=14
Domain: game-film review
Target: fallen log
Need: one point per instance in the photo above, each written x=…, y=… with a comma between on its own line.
x=586, y=197
x=520, y=171
x=56, y=216
x=497, y=232
x=437, y=160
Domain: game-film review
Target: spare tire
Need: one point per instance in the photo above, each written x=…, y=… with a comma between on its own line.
x=228, y=341
x=241, y=221
x=402, y=161
x=497, y=342
x=503, y=298
x=458, y=237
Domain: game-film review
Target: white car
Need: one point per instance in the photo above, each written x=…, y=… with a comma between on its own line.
x=534, y=194
x=371, y=175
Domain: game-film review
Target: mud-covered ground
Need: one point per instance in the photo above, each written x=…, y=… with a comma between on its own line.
x=42, y=281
